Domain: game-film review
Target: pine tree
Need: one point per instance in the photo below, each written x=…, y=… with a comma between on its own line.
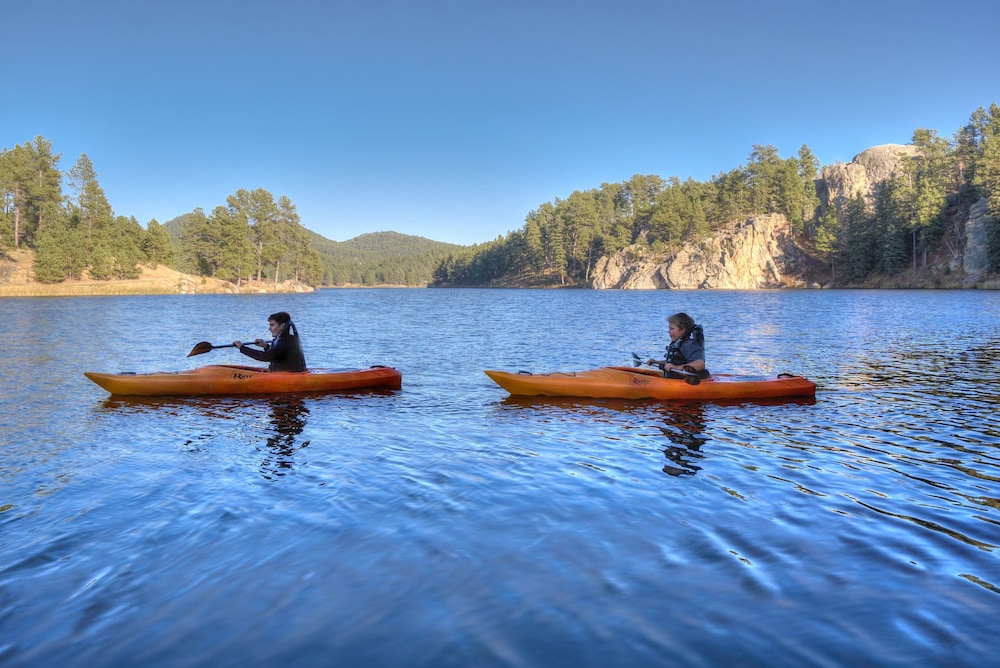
x=90, y=205
x=764, y=177
x=826, y=237
x=156, y=245
x=859, y=248
x=59, y=252
x=989, y=177
x=931, y=173
x=893, y=211
x=31, y=189
x=126, y=236
x=808, y=167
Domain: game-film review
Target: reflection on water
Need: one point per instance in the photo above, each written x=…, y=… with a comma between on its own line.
x=288, y=419
x=278, y=439
x=682, y=425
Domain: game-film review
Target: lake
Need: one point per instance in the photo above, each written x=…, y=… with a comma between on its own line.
x=447, y=524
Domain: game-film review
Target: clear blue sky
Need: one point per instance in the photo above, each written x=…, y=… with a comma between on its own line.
x=452, y=120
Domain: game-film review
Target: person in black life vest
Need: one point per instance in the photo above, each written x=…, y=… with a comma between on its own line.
x=686, y=347
x=284, y=352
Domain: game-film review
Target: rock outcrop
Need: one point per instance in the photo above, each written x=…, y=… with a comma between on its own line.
x=759, y=253
x=762, y=252
x=840, y=183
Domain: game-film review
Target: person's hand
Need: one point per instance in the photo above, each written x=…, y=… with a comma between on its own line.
x=261, y=343
x=650, y=362
x=237, y=344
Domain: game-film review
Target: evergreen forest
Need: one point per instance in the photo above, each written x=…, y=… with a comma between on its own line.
x=69, y=224
x=561, y=240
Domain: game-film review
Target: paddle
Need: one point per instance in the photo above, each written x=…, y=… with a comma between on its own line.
x=203, y=347
x=691, y=377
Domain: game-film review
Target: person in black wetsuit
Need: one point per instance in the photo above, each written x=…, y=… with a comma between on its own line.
x=284, y=352
x=686, y=348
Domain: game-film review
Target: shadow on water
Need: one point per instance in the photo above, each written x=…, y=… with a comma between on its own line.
x=682, y=425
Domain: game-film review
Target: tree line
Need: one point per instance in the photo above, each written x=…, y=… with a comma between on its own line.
x=70, y=232
x=253, y=236
x=66, y=219
x=257, y=236
x=561, y=240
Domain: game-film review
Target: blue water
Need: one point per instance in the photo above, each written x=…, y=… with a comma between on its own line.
x=447, y=524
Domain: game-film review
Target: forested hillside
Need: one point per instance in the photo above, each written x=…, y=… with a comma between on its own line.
x=380, y=258
x=896, y=231
x=66, y=219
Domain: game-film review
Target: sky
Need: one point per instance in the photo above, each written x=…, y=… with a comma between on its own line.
x=452, y=120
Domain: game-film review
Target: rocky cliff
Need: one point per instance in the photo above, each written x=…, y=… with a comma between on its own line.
x=839, y=183
x=759, y=253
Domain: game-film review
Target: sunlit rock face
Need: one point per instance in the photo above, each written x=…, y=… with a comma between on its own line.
x=756, y=254
x=840, y=183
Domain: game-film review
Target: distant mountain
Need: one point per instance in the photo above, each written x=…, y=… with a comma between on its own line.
x=377, y=258
x=173, y=228
x=381, y=258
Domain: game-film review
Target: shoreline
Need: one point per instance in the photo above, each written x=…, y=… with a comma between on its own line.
x=161, y=285
x=16, y=281
x=156, y=286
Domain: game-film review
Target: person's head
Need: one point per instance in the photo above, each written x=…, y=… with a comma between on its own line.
x=678, y=324
x=277, y=322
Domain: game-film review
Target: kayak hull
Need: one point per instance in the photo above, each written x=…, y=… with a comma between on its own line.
x=636, y=383
x=227, y=379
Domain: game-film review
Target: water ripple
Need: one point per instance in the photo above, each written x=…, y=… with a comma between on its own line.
x=449, y=524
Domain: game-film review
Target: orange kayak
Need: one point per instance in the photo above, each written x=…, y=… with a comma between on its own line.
x=622, y=382
x=236, y=379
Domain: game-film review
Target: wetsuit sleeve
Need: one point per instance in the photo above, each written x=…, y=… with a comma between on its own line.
x=259, y=355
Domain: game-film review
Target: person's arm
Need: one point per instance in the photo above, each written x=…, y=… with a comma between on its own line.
x=694, y=353
x=259, y=355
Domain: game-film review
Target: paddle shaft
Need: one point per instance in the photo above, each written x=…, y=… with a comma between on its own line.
x=205, y=346
x=692, y=377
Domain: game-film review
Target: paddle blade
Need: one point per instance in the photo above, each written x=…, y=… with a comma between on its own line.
x=200, y=348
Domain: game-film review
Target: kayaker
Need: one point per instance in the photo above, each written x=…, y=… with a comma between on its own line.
x=686, y=348
x=284, y=352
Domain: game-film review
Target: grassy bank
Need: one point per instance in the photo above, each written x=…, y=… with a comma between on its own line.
x=92, y=288
x=16, y=281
